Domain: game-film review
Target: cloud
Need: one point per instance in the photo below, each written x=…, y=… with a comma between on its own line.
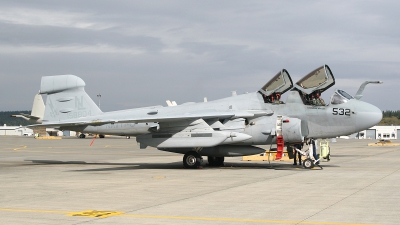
x=42, y=17
x=139, y=53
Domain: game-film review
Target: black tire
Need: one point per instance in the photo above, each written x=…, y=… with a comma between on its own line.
x=128, y=137
x=308, y=164
x=328, y=157
x=192, y=160
x=215, y=161
x=82, y=136
x=101, y=136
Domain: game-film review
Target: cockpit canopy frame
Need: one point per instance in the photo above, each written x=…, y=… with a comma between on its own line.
x=318, y=80
x=340, y=97
x=280, y=83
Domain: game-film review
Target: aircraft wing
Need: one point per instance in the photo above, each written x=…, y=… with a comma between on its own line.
x=74, y=123
x=189, y=116
x=155, y=116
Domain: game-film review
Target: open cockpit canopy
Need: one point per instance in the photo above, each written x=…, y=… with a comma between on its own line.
x=319, y=80
x=279, y=84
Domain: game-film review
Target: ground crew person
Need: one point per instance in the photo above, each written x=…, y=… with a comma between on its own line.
x=314, y=147
x=298, y=146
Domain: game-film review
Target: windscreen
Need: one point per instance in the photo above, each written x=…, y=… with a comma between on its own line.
x=340, y=97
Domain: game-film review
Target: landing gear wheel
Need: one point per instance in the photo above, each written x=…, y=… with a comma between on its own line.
x=328, y=157
x=215, y=161
x=192, y=160
x=82, y=136
x=101, y=136
x=308, y=164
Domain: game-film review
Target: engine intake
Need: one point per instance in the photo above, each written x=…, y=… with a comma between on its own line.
x=294, y=130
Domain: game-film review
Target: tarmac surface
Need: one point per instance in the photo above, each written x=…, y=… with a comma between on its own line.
x=114, y=182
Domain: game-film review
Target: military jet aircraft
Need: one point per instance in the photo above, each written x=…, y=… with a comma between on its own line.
x=226, y=127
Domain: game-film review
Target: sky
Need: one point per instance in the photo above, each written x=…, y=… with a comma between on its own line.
x=142, y=53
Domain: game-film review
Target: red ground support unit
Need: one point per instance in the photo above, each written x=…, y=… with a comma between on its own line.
x=279, y=147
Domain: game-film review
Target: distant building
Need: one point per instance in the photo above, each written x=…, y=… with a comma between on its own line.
x=24, y=131
x=15, y=130
x=380, y=132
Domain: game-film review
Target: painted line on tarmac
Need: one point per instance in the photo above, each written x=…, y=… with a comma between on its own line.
x=238, y=220
x=96, y=213
x=23, y=147
x=35, y=211
x=67, y=153
x=105, y=214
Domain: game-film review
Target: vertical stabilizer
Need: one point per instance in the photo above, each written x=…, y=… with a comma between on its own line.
x=66, y=99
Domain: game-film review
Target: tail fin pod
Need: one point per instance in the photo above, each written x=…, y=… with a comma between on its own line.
x=66, y=98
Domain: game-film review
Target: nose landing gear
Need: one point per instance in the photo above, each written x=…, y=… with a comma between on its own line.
x=308, y=164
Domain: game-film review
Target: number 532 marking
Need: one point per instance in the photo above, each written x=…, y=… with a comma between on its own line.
x=341, y=111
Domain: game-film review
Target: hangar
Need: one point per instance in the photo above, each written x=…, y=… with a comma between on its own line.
x=15, y=130
x=380, y=132
x=24, y=131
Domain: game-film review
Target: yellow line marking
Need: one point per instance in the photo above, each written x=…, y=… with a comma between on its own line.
x=96, y=213
x=158, y=177
x=239, y=220
x=105, y=214
x=15, y=149
x=34, y=211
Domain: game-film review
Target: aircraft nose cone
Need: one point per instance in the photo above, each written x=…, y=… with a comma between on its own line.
x=367, y=116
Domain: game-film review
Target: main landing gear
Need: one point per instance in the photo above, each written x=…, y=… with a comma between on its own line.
x=192, y=160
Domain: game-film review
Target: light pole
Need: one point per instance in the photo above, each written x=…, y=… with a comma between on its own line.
x=99, y=96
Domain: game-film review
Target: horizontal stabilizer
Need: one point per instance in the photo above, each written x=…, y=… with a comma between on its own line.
x=30, y=116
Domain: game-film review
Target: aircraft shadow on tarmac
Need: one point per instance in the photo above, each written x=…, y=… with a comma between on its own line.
x=174, y=165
